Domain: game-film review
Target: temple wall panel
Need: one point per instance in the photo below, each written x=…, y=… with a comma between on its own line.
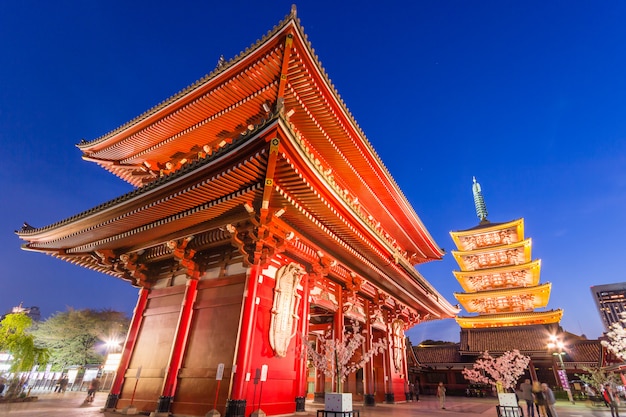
x=378, y=365
x=229, y=270
x=281, y=371
x=151, y=353
x=212, y=340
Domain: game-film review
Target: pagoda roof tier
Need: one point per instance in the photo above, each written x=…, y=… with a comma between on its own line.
x=524, y=275
x=269, y=178
x=507, y=255
x=506, y=299
x=489, y=234
x=510, y=319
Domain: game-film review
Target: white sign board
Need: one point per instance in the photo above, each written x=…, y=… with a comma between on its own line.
x=90, y=374
x=507, y=399
x=71, y=375
x=220, y=372
x=263, y=373
x=508, y=405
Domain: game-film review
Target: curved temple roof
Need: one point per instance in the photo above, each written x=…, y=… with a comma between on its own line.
x=325, y=175
x=280, y=73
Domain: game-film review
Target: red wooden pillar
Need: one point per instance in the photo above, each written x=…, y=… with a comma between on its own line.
x=245, y=339
x=170, y=381
x=388, y=365
x=301, y=370
x=127, y=350
x=405, y=367
x=338, y=325
x=368, y=369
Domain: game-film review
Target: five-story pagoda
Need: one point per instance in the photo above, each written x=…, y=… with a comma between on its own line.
x=500, y=279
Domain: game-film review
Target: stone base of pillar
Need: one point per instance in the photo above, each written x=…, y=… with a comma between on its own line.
x=300, y=404
x=130, y=410
x=369, y=400
x=111, y=402
x=213, y=413
x=163, y=405
x=390, y=398
x=235, y=408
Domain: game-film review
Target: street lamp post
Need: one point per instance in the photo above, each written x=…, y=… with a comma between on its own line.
x=557, y=347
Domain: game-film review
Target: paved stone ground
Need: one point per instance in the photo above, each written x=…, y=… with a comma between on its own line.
x=70, y=404
x=50, y=404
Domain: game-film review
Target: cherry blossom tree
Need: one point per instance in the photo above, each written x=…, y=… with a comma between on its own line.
x=334, y=357
x=505, y=369
x=617, y=338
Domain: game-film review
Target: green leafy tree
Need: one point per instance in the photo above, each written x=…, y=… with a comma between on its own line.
x=78, y=337
x=20, y=344
x=598, y=377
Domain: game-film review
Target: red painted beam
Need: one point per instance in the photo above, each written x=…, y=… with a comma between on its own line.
x=180, y=341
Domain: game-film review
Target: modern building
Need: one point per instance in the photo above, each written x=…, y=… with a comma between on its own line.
x=262, y=216
x=610, y=300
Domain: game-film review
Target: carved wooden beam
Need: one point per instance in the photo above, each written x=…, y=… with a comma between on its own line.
x=135, y=270
x=184, y=256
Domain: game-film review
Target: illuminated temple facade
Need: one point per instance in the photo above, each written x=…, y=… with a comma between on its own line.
x=261, y=216
x=498, y=275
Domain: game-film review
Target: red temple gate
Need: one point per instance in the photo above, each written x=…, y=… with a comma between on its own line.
x=261, y=215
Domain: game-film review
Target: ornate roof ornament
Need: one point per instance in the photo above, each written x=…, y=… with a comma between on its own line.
x=479, y=202
x=221, y=63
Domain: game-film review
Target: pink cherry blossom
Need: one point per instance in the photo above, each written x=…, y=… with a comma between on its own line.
x=333, y=357
x=505, y=369
x=617, y=338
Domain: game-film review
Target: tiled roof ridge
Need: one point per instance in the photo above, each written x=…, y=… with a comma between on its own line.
x=516, y=313
x=27, y=229
x=222, y=67
x=486, y=225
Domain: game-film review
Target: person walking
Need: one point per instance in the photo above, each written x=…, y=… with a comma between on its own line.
x=63, y=383
x=611, y=401
x=550, y=400
x=94, y=386
x=416, y=391
x=526, y=394
x=441, y=394
x=540, y=399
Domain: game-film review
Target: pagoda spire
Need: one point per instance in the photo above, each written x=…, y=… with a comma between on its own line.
x=479, y=202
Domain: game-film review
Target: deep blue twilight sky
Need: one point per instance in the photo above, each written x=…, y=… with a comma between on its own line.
x=528, y=96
